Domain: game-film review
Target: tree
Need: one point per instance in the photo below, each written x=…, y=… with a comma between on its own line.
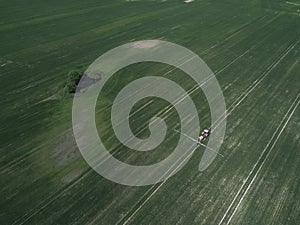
x=73, y=79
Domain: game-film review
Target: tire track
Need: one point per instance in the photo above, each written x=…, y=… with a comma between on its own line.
x=23, y=157
x=88, y=171
x=232, y=108
x=197, y=87
x=204, y=52
x=238, y=101
x=146, y=197
x=259, y=164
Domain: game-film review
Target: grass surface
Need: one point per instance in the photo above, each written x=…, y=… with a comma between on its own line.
x=253, y=48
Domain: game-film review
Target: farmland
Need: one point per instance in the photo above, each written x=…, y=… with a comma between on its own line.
x=252, y=47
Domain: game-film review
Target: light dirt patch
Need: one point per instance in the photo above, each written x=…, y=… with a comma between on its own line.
x=146, y=44
x=188, y=1
x=293, y=3
x=51, y=98
x=67, y=150
x=6, y=63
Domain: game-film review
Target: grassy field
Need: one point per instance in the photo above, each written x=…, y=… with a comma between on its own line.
x=253, y=47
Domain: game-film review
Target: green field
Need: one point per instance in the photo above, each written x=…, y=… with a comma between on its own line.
x=253, y=47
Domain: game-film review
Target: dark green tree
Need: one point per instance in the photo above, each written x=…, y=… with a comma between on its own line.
x=72, y=81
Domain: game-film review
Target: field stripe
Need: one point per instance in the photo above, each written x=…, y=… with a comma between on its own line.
x=18, y=160
x=33, y=151
x=69, y=40
x=219, y=44
x=168, y=108
x=36, y=19
x=235, y=105
x=164, y=111
x=239, y=100
x=237, y=31
x=264, y=155
x=214, y=74
x=292, y=3
x=55, y=196
x=241, y=97
x=155, y=188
